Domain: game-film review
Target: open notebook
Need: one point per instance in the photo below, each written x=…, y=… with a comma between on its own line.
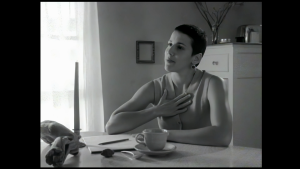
x=93, y=141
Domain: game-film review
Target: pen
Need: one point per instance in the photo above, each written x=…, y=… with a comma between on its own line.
x=113, y=141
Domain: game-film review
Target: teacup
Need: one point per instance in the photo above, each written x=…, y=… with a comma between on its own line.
x=155, y=139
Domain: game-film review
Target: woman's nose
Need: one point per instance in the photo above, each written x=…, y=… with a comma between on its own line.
x=170, y=51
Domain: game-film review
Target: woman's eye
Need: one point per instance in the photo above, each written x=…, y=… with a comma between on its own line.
x=178, y=47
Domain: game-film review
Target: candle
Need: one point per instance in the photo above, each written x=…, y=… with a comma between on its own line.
x=76, y=101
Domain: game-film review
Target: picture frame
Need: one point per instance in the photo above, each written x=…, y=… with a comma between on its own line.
x=145, y=52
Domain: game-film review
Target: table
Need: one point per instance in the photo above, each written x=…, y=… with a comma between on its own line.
x=185, y=155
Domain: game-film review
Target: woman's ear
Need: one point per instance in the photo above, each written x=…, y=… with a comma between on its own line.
x=196, y=58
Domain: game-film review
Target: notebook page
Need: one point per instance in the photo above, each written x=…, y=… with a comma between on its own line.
x=93, y=141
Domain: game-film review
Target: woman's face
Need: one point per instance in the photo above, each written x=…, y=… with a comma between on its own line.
x=178, y=53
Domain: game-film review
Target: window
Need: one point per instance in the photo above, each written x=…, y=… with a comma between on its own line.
x=61, y=47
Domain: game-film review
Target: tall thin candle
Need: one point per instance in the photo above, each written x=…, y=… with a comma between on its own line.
x=76, y=101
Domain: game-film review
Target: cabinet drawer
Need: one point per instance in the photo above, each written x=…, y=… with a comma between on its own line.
x=214, y=63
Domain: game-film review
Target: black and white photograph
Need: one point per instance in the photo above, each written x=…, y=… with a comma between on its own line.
x=151, y=84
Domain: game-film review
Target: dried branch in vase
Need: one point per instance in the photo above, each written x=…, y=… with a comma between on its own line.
x=215, y=18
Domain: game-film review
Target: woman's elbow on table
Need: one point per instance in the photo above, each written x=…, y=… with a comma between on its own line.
x=113, y=126
x=219, y=136
x=224, y=143
x=218, y=142
x=224, y=139
x=109, y=129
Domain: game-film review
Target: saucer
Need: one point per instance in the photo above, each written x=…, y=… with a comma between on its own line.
x=144, y=149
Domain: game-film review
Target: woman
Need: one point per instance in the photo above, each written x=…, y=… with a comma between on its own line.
x=189, y=103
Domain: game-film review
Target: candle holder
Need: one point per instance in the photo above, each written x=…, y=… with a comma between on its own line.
x=77, y=131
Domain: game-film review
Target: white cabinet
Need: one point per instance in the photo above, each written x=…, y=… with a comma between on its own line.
x=240, y=65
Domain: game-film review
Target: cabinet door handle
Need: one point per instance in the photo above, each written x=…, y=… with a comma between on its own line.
x=215, y=63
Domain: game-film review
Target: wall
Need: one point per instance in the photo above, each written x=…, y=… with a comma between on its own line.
x=121, y=24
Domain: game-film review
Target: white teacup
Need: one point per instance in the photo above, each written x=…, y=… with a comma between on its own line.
x=155, y=139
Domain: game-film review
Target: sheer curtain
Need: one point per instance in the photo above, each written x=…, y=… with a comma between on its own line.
x=70, y=33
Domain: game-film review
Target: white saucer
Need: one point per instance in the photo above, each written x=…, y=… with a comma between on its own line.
x=144, y=149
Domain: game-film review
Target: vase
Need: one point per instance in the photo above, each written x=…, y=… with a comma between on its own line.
x=215, y=35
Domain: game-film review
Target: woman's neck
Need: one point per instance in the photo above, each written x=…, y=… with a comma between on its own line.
x=183, y=78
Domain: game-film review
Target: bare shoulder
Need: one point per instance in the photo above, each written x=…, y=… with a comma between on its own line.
x=216, y=82
x=216, y=87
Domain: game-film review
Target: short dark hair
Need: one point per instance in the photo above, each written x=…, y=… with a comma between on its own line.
x=197, y=35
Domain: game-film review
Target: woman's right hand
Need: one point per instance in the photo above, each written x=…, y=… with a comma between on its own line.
x=173, y=107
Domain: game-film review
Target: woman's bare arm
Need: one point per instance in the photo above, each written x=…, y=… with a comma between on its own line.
x=133, y=113
x=220, y=133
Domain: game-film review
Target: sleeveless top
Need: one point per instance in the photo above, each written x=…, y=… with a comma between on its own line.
x=198, y=113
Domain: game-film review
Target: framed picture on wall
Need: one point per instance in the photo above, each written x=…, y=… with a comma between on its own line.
x=145, y=52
